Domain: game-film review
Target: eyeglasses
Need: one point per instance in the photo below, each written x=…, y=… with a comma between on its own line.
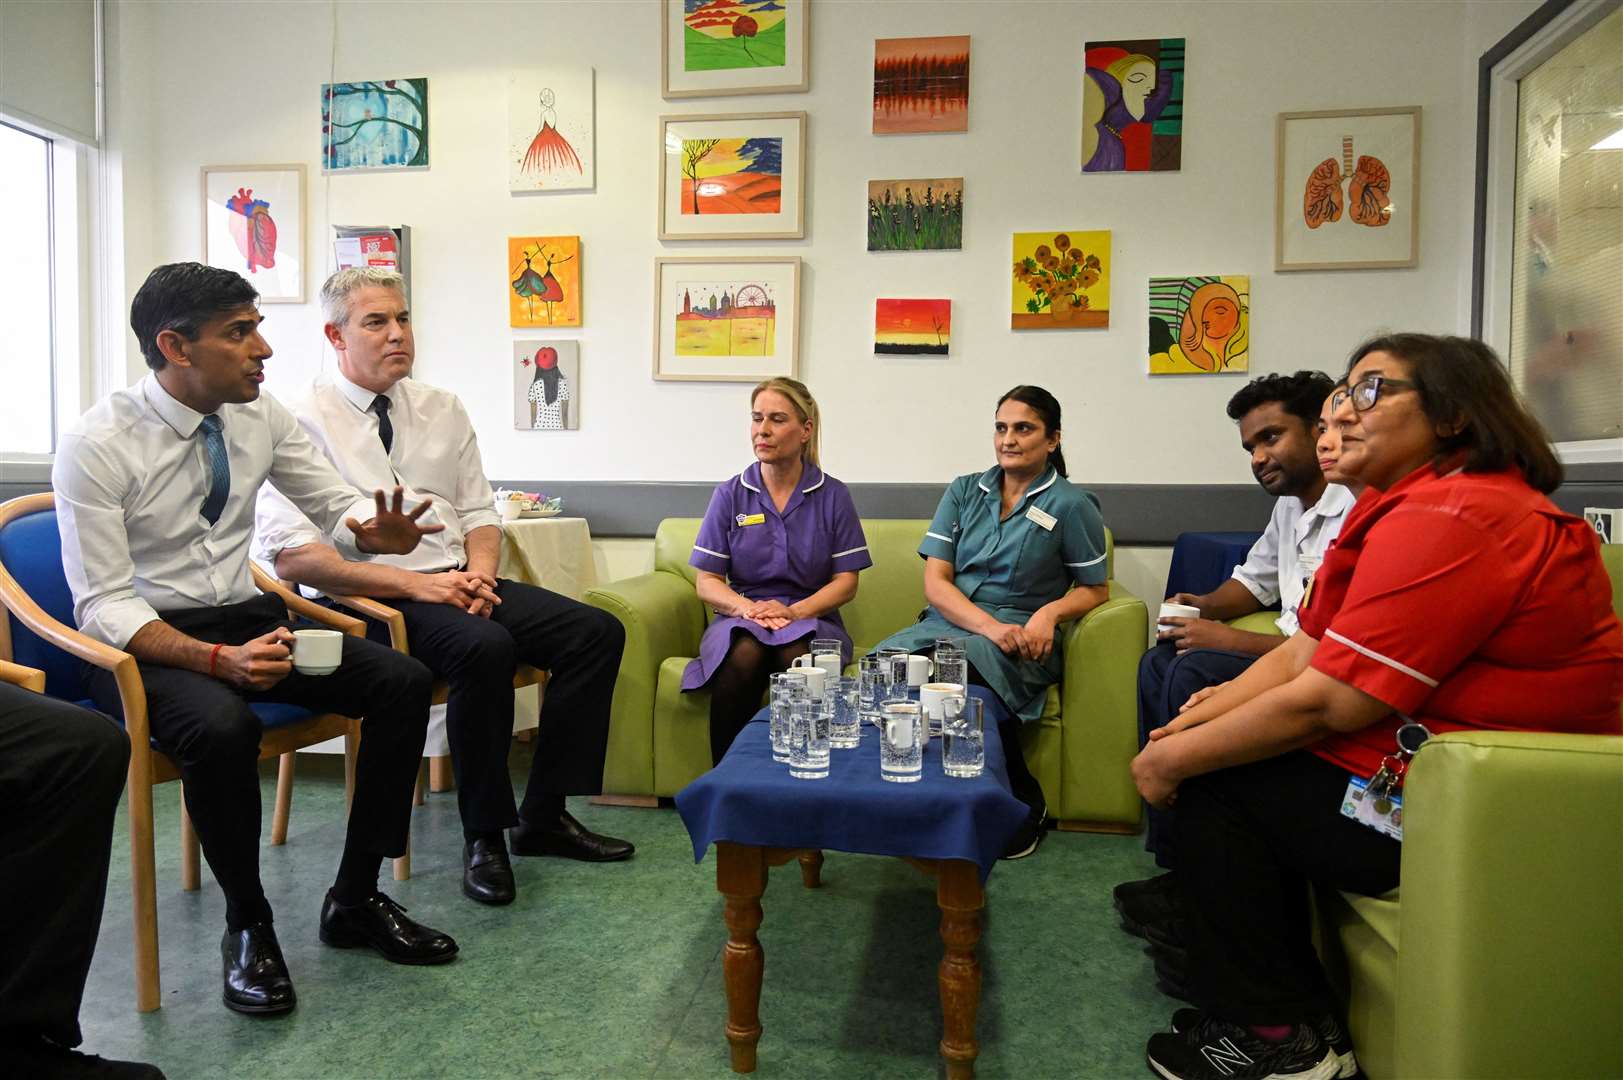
x=1367, y=391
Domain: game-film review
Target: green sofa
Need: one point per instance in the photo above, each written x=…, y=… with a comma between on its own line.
x=1079, y=750
x=1511, y=920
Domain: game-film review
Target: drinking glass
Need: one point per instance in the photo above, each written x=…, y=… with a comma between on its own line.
x=786, y=686
x=872, y=677
x=845, y=732
x=963, y=737
x=828, y=654
x=808, y=739
x=895, y=661
x=951, y=662
x=901, y=745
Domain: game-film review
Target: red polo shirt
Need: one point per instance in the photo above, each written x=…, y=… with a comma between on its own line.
x=1466, y=600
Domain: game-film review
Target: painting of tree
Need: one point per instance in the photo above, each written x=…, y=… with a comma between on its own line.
x=375, y=125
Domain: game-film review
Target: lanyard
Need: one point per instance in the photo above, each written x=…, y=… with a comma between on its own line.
x=1388, y=779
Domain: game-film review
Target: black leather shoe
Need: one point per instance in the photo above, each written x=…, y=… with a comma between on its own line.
x=568, y=839
x=30, y=1055
x=487, y=876
x=379, y=923
x=255, y=975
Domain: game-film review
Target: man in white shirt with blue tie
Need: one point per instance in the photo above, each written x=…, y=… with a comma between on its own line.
x=155, y=491
x=379, y=426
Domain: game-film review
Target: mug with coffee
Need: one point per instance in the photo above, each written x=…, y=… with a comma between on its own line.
x=933, y=700
x=1170, y=610
x=317, y=652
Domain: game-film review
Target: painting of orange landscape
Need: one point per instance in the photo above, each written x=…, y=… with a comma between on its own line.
x=732, y=176
x=912, y=327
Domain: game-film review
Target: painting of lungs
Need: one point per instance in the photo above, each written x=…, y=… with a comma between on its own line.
x=1348, y=189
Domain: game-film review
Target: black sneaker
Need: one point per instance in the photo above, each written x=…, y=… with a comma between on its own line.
x=1144, y=903
x=1029, y=835
x=1214, y=1049
x=1327, y=1026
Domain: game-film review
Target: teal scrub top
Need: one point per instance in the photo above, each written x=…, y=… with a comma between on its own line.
x=1053, y=538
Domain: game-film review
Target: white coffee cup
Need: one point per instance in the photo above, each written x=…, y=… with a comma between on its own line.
x=509, y=509
x=815, y=676
x=919, y=669
x=829, y=662
x=932, y=697
x=1174, y=611
x=317, y=652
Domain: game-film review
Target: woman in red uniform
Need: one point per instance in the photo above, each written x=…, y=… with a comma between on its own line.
x=1458, y=596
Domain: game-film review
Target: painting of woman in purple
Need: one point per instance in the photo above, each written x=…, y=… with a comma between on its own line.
x=1132, y=106
x=777, y=555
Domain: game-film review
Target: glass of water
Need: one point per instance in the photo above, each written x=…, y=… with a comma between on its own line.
x=828, y=654
x=786, y=686
x=963, y=737
x=872, y=679
x=951, y=662
x=845, y=733
x=895, y=661
x=901, y=744
x=808, y=739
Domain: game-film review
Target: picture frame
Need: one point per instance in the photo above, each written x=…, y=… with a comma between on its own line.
x=704, y=56
x=1347, y=189
x=726, y=318
x=732, y=176
x=254, y=224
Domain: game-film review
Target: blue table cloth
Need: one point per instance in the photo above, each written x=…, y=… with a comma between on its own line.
x=1201, y=561
x=751, y=799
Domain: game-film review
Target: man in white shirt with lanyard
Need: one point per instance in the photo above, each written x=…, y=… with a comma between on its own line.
x=155, y=496
x=1277, y=417
x=378, y=425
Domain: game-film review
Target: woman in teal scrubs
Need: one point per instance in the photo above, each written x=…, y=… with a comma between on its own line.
x=1001, y=556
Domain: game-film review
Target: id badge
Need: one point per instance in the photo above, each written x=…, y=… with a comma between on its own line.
x=1359, y=805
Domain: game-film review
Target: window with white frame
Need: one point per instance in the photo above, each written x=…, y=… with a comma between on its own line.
x=27, y=357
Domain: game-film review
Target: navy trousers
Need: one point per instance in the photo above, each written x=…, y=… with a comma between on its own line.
x=1165, y=681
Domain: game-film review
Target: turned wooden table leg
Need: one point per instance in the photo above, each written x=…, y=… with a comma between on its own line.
x=958, y=892
x=811, y=869
x=741, y=878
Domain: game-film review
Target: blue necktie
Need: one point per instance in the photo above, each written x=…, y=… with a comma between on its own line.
x=219, y=469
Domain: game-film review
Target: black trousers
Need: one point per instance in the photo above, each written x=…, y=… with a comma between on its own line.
x=1165, y=681
x=578, y=645
x=207, y=727
x=61, y=771
x=1249, y=842
x=736, y=687
x=1022, y=785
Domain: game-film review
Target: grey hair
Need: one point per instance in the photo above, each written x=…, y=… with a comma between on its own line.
x=335, y=293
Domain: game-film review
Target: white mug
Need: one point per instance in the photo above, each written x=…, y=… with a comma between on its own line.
x=933, y=696
x=509, y=509
x=815, y=676
x=317, y=652
x=1174, y=611
x=919, y=669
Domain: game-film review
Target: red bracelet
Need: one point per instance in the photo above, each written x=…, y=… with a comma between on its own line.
x=214, y=654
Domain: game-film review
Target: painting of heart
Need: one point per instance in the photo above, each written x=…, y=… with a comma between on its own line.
x=253, y=224
x=1348, y=189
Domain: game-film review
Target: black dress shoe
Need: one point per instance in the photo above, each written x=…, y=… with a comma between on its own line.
x=32, y=1056
x=569, y=839
x=255, y=975
x=379, y=923
x=1142, y=904
x=487, y=876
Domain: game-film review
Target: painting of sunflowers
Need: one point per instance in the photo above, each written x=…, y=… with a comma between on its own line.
x=1061, y=280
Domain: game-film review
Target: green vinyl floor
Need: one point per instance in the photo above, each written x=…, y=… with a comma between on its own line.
x=615, y=970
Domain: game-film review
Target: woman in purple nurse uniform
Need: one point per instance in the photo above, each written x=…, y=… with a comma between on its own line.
x=777, y=554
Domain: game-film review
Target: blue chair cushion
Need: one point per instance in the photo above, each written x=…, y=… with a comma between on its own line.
x=271, y=714
x=31, y=551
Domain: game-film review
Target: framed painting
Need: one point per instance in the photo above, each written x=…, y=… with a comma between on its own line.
x=374, y=125
x=551, y=131
x=912, y=327
x=717, y=48
x=1347, y=189
x=732, y=176
x=1132, y=105
x=916, y=215
x=543, y=281
x=1061, y=280
x=1200, y=325
x=546, y=385
x=253, y=223
x=920, y=84
x=726, y=319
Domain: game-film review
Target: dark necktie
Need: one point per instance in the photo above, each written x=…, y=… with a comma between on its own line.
x=380, y=405
x=219, y=469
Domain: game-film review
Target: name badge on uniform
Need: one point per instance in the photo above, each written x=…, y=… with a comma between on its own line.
x=1383, y=813
x=751, y=519
x=1047, y=521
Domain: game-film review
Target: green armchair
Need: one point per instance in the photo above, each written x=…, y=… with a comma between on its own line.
x=1079, y=750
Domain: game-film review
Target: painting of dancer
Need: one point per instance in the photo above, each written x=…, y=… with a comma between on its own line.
x=551, y=131
x=543, y=281
x=1132, y=106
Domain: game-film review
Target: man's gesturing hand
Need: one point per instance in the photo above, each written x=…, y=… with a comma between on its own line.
x=391, y=531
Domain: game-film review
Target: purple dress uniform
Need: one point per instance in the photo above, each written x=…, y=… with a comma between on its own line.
x=765, y=555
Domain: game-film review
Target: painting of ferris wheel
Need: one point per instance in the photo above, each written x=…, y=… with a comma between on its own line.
x=726, y=318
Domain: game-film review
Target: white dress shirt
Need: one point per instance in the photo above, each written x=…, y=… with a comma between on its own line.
x=130, y=481
x=1287, y=555
x=434, y=455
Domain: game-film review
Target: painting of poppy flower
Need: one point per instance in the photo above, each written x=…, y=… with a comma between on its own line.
x=543, y=281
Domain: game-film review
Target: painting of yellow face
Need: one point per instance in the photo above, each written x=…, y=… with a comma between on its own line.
x=1200, y=325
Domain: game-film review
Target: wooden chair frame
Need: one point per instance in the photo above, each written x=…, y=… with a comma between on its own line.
x=149, y=767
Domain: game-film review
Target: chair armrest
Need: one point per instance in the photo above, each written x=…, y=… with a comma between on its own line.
x=26, y=677
x=1258, y=622
x=306, y=609
x=1512, y=866
x=383, y=613
x=1099, y=709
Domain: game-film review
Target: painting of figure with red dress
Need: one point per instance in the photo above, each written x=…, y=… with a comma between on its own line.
x=551, y=134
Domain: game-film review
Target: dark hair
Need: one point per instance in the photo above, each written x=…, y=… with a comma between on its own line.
x=1302, y=395
x=1462, y=381
x=182, y=297
x=1046, y=406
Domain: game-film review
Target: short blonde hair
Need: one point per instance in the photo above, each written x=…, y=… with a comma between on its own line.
x=336, y=291
x=805, y=406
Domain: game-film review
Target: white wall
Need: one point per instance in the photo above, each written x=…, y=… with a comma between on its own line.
x=214, y=83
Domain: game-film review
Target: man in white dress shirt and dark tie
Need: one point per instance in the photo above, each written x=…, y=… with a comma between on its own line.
x=378, y=425
x=155, y=491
